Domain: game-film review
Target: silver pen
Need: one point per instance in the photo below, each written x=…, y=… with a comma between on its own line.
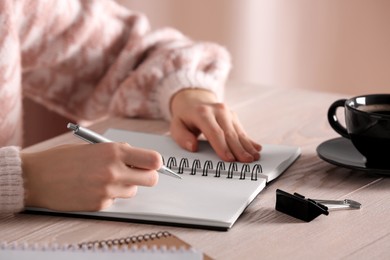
x=92, y=137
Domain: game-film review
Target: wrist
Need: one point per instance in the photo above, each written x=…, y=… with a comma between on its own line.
x=190, y=96
x=29, y=179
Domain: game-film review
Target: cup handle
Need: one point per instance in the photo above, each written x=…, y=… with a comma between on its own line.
x=334, y=121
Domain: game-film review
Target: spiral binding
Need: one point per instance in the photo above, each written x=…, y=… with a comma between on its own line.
x=221, y=166
x=126, y=241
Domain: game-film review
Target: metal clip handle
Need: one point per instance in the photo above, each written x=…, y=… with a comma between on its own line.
x=340, y=204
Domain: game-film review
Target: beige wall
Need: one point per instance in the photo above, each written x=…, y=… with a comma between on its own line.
x=331, y=45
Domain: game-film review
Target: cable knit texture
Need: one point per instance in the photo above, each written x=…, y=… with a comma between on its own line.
x=93, y=60
x=11, y=181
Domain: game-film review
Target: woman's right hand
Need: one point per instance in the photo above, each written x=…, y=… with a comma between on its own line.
x=85, y=177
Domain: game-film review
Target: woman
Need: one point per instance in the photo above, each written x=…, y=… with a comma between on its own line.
x=90, y=59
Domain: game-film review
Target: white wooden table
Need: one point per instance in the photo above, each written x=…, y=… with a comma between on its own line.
x=270, y=115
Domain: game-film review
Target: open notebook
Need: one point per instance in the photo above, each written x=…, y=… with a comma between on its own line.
x=212, y=194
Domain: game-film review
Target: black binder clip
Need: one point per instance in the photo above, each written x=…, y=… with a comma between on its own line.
x=307, y=209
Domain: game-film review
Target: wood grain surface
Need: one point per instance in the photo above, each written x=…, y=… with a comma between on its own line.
x=269, y=115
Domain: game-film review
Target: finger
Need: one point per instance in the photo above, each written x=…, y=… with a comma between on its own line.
x=141, y=158
x=183, y=136
x=96, y=205
x=236, y=144
x=241, y=131
x=136, y=176
x=215, y=135
x=257, y=146
x=249, y=145
x=126, y=191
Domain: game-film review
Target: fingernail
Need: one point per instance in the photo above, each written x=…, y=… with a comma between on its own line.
x=189, y=146
x=255, y=153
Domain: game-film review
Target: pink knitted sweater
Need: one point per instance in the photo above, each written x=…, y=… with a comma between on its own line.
x=88, y=59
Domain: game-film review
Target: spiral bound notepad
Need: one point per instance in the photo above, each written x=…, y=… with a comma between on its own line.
x=160, y=245
x=212, y=194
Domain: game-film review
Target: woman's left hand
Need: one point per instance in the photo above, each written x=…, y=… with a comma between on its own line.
x=197, y=111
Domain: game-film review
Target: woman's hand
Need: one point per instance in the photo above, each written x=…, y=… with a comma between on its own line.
x=196, y=111
x=85, y=177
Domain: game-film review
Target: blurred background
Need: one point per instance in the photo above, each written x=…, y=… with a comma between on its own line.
x=334, y=46
x=339, y=46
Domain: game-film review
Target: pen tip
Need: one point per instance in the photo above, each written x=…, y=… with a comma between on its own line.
x=170, y=172
x=174, y=174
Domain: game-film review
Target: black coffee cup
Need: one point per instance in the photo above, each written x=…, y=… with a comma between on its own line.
x=367, y=121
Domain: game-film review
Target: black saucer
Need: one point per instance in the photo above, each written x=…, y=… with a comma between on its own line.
x=341, y=152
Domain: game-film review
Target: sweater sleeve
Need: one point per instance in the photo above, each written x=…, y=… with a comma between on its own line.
x=99, y=58
x=11, y=181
